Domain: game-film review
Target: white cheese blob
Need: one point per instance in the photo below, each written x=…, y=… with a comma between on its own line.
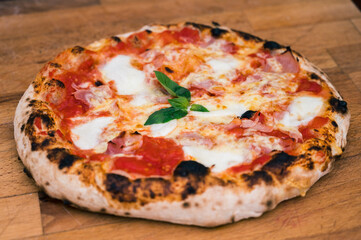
x=302, y=110
x=163, y=129
x=87, y=135
x=140, y=99
x=128, y=80
x=222, y=66
x=220, y=159
x=221, y=116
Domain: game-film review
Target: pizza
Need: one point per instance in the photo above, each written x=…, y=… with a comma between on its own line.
x=185, y=123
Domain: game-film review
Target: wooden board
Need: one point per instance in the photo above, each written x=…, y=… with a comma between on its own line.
x=33, y=32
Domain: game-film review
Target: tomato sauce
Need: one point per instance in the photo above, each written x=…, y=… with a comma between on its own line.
x=156, y=157
x=307, y=131
x=260, y=161
x=309, y=86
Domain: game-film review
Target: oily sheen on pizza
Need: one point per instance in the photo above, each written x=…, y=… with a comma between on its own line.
x=255, y=124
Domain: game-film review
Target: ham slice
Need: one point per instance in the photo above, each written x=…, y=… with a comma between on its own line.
x=288, y=62
x=189, y=138
x=125, y=143
x=94, y=95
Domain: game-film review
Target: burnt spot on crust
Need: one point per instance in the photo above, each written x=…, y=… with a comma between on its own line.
x=28, y=173
x=22, y=128
x=77, y=49
x=310, y=165
x=102, y=210
x=55, y=65
x=148, y=31
x=168, y=70
x=66, y=202
x=279, y=163
x=47, y=120
x=55, y=83
x=257, y=177
x=67, y=161
x=271, y=45
x=62, y=157
x=316, y=148
x=334, y=123
x=189, y=190
x=247, y=36
x=314, y=76
x=189, y=180
x=269, y=204
x=186, y=205
x=198, y=25
x=51, y=133
x=115, y=38
x=121, y=188
x=218, y=32
x=216, y=23
x=32, y=103
x=248, y=114
x=186, y=168
x=98, y=83
x=127, y=213
x=338, y=105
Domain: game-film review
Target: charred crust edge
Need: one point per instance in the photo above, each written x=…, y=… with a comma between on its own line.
x=55, y=65
x=201, y=27
x=314, y=76
x=62, y=157
x=338, y=105
x=187, y=168
x=248, y=114
x=77, y=49
x=218, y=32
x=115, y=38
x=279, y=163
x=272, y=45
x=247, y=36
x=257, y=177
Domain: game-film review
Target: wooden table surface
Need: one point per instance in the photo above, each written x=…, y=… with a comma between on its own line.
x=33, y=32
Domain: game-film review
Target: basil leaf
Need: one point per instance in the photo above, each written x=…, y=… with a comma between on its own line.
x=165, y=115
x=198, y=108
x=183, y=92
x=179, y=102
x=172, y=87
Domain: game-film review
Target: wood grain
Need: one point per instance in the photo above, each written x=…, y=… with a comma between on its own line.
x=301, y=13
x=20, y=216
x=326, y=32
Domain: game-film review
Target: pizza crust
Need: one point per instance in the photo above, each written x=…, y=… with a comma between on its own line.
x=215, y=206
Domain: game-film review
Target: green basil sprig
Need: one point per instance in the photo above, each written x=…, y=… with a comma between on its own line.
x=180, y=103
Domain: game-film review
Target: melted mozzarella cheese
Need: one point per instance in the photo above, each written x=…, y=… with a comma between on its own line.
x=128, y=80
x=302, y=110
x=221, y=116
x=219, y=159
x=139, y=99
x=222, y=66
x=87, y=135
x=163, y=129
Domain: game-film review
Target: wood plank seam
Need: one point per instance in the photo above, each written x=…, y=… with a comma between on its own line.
x=17, y=195
x=353, y=24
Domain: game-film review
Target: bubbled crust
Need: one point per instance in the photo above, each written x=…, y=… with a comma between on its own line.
x=192, y=195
